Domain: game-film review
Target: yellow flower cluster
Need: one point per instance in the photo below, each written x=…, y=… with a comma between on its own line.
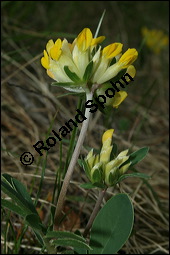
x=155, y=39
x=100, y=168
x=83, y=63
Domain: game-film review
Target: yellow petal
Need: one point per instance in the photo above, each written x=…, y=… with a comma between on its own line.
x=44, y=63
x=45, y=60
x=108, y=134
x=55, y=51
x=49, y=45
x=112, y=50
x=58, y=43
x=131, y=71
x=128, y=58
x=97, y=40
x=119, y=98
x=84, y=39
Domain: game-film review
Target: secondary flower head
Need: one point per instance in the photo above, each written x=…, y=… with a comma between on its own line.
x=155, y=39
x=78, y=65
x=103, y=168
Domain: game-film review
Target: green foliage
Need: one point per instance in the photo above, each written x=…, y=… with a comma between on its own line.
x=33, y=220
x=71, y=242
x=73, y=76
x=90, y=185
x=136, y=156
x=12, y=207
x=139, y=175
x=25, y=207
x=17, y=191
x=88, y=71
x=112, y=226
x=62, y=234
x=63, y=84
x=67, y=239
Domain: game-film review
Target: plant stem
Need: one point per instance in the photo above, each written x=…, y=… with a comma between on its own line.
x=74, y=159
x=95, y=211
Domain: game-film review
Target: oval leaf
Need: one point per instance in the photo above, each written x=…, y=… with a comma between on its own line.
x=33, y=220
x=71, y=242
x=90, y=185
x=62, y=234
x=17, y=191
x=136, y=156
x=21, y=189
x=17, y=198
x=139, y=175
x=12, y=207
x=112, y=226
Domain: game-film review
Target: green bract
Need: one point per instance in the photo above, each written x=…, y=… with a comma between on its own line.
x=105, y=170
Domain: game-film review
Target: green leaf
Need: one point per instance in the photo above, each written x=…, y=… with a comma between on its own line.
x=88, y=71
x=136, y=156
x=8, y=179
x=86, y=168
x=68, y=252
x=90, y=185
x=12, y=207
x=62, y=234
x=21, y=189
x=73, y=76
x=79, y=250
x=6, y=188
x=17, y=191
x=63, y=84
x=114, y=150
x=80, y=162
x=96, y=176
x=139, y=175
x=70, y=93
x=99, y=24
x=71, y=242
x=33, y=220
x=112, y=225
x=75, y=87
x=39, y=237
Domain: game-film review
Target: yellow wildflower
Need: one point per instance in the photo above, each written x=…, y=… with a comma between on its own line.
x=155, y=39
x=101, y=168
x=79, y=65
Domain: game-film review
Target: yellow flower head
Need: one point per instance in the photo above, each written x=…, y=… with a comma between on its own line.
x=77, y=66
x=102, y=168
x=155, y=39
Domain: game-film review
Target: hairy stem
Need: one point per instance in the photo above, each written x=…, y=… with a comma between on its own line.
x=95, y=211
x=74, y=159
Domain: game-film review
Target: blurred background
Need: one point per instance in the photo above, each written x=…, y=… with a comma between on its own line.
x=30, y=104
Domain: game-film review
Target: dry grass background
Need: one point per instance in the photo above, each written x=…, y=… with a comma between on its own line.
x=29, y=105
